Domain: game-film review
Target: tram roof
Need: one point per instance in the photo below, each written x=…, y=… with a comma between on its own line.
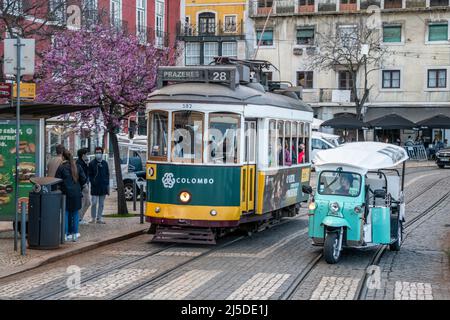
x=361, y=156
x=219, y=93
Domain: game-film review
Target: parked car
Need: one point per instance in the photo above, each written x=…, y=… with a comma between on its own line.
x=323, y=141
x=443, y=158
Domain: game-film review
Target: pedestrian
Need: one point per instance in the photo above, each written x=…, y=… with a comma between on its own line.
x=73, y=180
x=99, y=183
x=83, y=162
x=446, y=143
x=55, y=162
x=409, y=142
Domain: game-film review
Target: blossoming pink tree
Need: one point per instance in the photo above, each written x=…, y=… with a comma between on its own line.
x=106, y=68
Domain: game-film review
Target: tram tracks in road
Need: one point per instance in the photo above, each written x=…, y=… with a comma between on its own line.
x=415, y=222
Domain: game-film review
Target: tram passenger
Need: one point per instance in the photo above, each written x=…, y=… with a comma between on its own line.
x=301, y=154
x=280, y=154
x=287, y=155
x=179, y=152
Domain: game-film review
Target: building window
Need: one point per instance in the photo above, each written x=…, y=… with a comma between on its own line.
x=211, y=50
x=348, y=35
x=348, y=1
x=437, y=78
x=12, y=7
x=391, y=79
x=229, y=49
x=207, y=23
x=265, y=3
x=90, y=12
x=192, y=53
x=393, y=4
x=159, y=21
x=438, y=3
x=305, y=36
x=57, y=10
x=305, y=79
x=306, y=2
x=116, y=13
x=438, y=31
x=265, y=39
x=230, y=24
x=141, y=20
x=392, y=33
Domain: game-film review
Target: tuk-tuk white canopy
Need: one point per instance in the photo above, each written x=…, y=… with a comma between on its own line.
x=361, y=157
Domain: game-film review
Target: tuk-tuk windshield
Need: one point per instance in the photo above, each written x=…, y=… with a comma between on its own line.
x=339, y=183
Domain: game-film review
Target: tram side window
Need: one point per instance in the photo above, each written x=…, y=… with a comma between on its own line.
x=301, y=143
x=223, y=142
x=273, y=157
x=307, y=141
x=158, y=135
x=287, y=152
x=280, y=144
x=294, y=148
x=187, y=143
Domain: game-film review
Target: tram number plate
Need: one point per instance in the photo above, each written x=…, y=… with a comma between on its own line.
x=445, y=159
x=219, y=76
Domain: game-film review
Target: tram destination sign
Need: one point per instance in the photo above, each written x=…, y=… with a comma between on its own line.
x=208, y=74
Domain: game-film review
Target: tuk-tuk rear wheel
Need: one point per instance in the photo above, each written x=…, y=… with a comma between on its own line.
x=331, y=250
x=395, y=246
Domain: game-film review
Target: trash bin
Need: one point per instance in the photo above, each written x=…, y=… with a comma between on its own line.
x=44, y=214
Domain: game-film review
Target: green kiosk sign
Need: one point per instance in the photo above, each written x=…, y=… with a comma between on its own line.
x=28, y=155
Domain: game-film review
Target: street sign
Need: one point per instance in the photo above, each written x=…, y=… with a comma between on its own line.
x=27, y=90
x=5, y=90
x=27, y=57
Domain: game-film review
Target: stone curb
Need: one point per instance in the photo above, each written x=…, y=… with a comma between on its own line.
x=88, y=246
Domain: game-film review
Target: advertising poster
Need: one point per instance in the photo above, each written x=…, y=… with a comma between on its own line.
x=284, y=188
x=27, y=153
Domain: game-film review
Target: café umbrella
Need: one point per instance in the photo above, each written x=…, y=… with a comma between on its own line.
x=439, y=121
x=391, y=121
x=344, y=121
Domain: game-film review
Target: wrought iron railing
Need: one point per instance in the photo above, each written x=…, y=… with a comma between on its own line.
x=217, y=29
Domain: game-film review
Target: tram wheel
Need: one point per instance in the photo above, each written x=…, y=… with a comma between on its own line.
x=331, y=250
x=395, y=246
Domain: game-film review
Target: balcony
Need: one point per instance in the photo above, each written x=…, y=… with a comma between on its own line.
x=416, y=3
x=348, y=7
x=306, y=8
x=364, y=4
x=192, y=31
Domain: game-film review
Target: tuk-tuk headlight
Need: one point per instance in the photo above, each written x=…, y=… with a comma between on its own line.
x=334, y=207
x=312, y=206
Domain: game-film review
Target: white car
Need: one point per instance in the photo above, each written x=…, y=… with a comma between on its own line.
x=323, y=141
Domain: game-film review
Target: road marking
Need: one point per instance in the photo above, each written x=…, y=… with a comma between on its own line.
x=259, y=287
x=17, y=288
x=420, y=177
x=182, y=286
x=109, y=283
x=336, y=288
x=126, y=253
x=413, y=291
x=179, y=253
x=263, y=253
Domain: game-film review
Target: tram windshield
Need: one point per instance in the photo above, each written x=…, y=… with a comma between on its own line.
x=339, y=183
x=223, y=141
x=187, y=137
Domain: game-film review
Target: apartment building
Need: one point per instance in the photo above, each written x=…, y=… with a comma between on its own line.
x=210, y=28
x=412, y=80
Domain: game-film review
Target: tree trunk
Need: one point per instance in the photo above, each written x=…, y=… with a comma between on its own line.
x=121, y=201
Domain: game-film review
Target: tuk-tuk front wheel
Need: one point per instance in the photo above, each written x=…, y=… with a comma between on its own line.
x=332, y=247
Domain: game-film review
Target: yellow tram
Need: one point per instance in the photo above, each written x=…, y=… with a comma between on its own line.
x=227, y=149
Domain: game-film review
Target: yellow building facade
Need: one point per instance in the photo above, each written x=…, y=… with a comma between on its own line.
x=212, y=28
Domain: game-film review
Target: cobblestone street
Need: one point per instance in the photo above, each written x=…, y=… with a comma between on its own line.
x=267, y=265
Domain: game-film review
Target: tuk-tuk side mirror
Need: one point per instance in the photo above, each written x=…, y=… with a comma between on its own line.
x=307, y=189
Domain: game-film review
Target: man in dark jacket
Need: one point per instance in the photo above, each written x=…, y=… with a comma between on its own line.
x=99, y=180
x=83, y=162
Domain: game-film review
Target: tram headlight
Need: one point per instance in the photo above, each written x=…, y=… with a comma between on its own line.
x=334, y=207
x=213, y=212
x=185, y=197
x=157, y=209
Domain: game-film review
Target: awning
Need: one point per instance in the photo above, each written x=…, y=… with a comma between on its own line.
x=344, y=121
x=414, y=113
x=439, y=121
x=391, y=121
x=35, y=110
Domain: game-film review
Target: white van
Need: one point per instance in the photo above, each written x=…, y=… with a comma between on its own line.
x=323, y=141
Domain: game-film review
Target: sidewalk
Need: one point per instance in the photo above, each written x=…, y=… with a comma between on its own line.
x=92, y=236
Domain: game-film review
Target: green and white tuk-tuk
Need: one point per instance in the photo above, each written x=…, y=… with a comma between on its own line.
x=359, y=201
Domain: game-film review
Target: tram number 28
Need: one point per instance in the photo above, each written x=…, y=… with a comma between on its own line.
x=219, y=76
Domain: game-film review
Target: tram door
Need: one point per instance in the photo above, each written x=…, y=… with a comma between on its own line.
x=249, y=168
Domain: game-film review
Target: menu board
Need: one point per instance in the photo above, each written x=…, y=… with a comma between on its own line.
x=28, y=155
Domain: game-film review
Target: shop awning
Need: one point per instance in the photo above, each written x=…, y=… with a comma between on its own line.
x=35, y=110
x=439, y=121
x=391, y=121
x=344, y=121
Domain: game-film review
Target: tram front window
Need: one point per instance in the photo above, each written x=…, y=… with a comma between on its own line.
x=158, y=135
x=223, y=142
x=187, y=137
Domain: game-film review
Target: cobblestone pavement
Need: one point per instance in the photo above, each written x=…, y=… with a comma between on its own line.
x=263, y=266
